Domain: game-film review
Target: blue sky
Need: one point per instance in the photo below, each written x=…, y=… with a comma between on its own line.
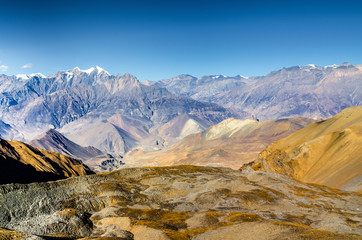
x=161, y=39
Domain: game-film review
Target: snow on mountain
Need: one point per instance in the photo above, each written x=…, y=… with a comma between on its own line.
x=28, y=76
x=95, y=69
x=93, y=108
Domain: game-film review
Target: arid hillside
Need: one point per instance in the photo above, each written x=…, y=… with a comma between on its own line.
x=327, y=152
x=22, y=163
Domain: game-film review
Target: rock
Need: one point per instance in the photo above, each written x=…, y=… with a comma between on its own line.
x=142, y=232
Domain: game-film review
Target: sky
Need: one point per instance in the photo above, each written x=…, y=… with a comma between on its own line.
x=161, y=39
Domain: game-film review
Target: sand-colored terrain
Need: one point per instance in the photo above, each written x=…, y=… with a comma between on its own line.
x=327, y=152
x=230, y=143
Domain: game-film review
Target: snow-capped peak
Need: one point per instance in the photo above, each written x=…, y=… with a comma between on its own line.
x=28, y=76
x=331, y=66
x=95, y=69
x=22, y=76
x=216, y=76
x=38, y=75
x=312, y=66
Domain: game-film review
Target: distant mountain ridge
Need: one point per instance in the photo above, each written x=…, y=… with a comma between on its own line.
x=299, y=91
x=203, y=88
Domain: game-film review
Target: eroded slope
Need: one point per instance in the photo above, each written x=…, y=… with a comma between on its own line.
x=327, y=152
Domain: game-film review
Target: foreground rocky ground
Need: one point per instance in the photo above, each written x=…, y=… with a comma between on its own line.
x=182, y=202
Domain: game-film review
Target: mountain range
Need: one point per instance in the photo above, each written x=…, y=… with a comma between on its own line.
x=117, y=114
x=111, y=113
x=299, y=91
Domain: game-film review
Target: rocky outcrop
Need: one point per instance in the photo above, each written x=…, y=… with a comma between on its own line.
x=327, y=152
x=22, y=163
x=181, y=202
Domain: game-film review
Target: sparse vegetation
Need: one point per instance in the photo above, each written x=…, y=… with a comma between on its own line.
x=219, y=198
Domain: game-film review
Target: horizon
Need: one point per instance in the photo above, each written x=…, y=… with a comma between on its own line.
x=162, y=39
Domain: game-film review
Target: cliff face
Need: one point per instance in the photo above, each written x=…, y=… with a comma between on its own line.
x=327, y=152
x=22, y=163
x=184, y=202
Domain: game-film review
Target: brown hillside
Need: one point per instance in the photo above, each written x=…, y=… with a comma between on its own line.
x=327, y=152
x=22, y=163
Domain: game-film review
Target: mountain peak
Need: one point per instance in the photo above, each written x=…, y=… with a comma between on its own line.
x=52, y=131
x=52, y=134
x=96, y=69
x=346, y=64
x=28, y=76
x=91, y=70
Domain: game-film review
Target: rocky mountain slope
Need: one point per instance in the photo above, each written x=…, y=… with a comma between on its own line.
x=23, y=163
x=327, y=152
x=230, y=143
x=301, y=91
x=119, y=110
x=185, y=202
x=97, y=160
x=54, y=141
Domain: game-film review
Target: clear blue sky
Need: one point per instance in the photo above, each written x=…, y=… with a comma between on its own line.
x=161, y=39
